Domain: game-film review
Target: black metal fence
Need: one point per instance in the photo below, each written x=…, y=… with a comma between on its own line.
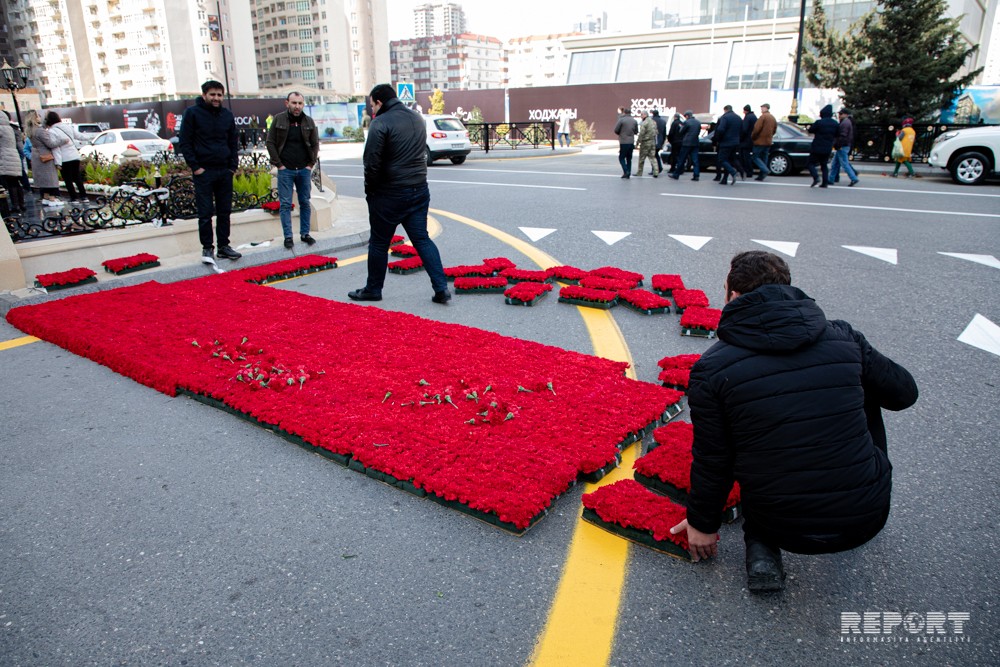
x=873, y=141
x=511, y=136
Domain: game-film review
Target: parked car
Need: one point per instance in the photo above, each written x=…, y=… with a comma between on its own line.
x=789, y=153
x=970, y=154
x=112, y=143
x=88, y=131
x=446, y=138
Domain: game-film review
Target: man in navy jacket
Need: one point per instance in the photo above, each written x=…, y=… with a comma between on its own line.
x=789, y=404
x=727, y=136
x=209, y=144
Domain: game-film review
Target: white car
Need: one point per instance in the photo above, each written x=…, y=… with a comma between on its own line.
x=970, y=154
x=111, y=144
x=446, y=138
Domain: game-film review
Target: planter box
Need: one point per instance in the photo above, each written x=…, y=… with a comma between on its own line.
x=698, y=332
x=56, y=288
x=405, y=272
x=133, y=269
x=597, y=475
x=510, y=301
x=601, y=305
x=486, y=517
x=481, y=290
x=644, y=311
x=678, y=495
x=641, y=537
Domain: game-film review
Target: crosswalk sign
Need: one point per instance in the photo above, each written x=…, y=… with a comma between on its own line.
x=405, y=92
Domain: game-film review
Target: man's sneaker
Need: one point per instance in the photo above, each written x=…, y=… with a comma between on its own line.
x=364, y=295
x=764, y=570
x=228, y=252
x=308, y=240
x=289, y=242
x=207, y=256
x=441, y=297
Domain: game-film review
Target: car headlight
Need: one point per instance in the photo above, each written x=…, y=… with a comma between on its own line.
x=946, y=136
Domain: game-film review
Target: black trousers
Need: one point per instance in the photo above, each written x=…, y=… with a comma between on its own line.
x=213, y=193
x=74, y=179
x=14, y=189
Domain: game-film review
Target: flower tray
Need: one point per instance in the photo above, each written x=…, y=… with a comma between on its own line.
x=486, y=517
x=679, y=496
x=640, y=537
x=481, y=290
x=402, y=250
x=698, y=332
x=510, y=301
x=596, y=476
x=405, y=272
x=644, y=311
x=54, y=288
x=133, y=269
x=603, y=305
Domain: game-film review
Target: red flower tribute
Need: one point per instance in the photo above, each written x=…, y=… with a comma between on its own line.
x=685, y=298
x=64, y=279
x=514, y=275
x=466, y=270
x=597, y=282
x=408, y=265
x=700, y=321
x=396, y=240
x=665, y=283
x=618, y=274
x=402, y=250
x=121, y=265
x=676, y=372
x=629, y=509
x=526, y=293
x=583, y=296
x=493, y=284
x=282, y=270
x=462, y=425
x=679, y=361
x=643, y=301
x=569, y=274
x=499, y=263
x=273, y=206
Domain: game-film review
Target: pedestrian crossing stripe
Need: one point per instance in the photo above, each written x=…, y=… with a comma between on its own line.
x=693, y=242
x=785, y=247
x=885, y=254
x=988, y=260
x=983, y=334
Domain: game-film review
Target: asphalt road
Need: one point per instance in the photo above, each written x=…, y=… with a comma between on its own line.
x=140, y=529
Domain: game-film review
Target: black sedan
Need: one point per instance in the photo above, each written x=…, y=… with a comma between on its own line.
x=788, y=156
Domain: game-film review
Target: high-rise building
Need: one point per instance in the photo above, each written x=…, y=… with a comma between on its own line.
x=537, y=60
x=438, y=19
x=448, y=62
x=87, y=51
x=336, y=47
x=592, y=25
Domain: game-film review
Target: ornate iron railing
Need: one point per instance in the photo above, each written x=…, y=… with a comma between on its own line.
x=511, y=136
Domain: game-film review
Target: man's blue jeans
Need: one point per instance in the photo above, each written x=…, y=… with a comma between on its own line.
x=625, y=158
x=840, y=158
x=301, y=179
x=760, y=155
x=407, y=207
x=682, y=159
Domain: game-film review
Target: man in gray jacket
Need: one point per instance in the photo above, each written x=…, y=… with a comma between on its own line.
x=626, y=128
x=293, y=146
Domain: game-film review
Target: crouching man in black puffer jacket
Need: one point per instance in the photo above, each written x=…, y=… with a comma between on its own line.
x=789, y=404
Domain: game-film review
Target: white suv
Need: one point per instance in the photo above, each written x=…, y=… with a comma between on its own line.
x=446, y=137
x=970, y=154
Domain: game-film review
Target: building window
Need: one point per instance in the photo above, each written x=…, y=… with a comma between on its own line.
x=591, y=67
x=699, y=61
x=759, y=64
x=649, y=64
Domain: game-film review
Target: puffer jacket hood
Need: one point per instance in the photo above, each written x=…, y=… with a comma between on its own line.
x=826, y=112
x=772, y=318
x=10, y=161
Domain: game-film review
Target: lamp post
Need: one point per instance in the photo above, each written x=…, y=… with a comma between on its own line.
x=793, y=113
x=14, y=79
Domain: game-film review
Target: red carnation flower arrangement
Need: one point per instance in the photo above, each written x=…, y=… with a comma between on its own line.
x=514, y=275
x=121, y=265
x=597, y=282
x=584, y=296
x=618, y=274
x=468, y=270
x=402, y=250
x=685, y=298
x=676, y=373
x=665, y=283
x=63, y=279
x=273, y=206
x=629, y=509
x=396, y=240
x=492, y=284
x=567, y=274
x=643, y=301
x=526, y=293
x=408, y=265
x=499, y=263
x=281, y=270
x=701, y=320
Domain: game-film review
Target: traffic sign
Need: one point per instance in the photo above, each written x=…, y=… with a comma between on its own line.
x=405, y=92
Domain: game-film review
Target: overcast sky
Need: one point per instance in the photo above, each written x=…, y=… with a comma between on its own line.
x=519, y=18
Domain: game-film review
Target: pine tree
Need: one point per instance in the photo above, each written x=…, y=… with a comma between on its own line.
x=829, y=57
x=908, y=61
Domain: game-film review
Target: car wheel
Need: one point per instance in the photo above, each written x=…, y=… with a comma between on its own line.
x=458, y=159
x=430, y=160
x=779, y=164
x=969, y=168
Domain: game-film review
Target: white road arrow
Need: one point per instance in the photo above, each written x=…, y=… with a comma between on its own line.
x=786, y=247
x=988, y=260
x=885, y=254
x=536, y=233
x=611, y=238
x=693, y=242
x=983, y=334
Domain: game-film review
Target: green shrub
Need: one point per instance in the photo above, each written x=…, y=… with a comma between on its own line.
x=354, y=133
x=256, y=182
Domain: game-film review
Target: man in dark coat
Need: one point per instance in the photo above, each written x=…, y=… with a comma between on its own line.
x=788, y=404
x=727, y=136
x=661, y=137
x=746, y=140
x=395, y=162
x=674, y=139
x=626, y=128
x=689, y=135
x=824, y=133
x=210, y=147
x=842, y=149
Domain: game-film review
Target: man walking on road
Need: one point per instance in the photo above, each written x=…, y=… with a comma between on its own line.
x=395, y=165
x=626, y=128
x=661, y=138
x=762, y=137
x=727, y=136
x=842, y=149
x=789, y=404
x=210, y=147
x=293, y=146
x=674, y=139
x=689, y=134
x=746, y=140
x=647, y=144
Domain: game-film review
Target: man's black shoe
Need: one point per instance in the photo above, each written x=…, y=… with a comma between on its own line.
x=441, y=297
x=760, y=177
x=695, y=178
x=289, y=242
x=228, y=252
x=364, y=295
x=674, y=176
x=308, y=240
x=764, y=570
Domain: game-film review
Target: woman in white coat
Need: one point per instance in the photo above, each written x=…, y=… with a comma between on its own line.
x=10, y=164
x=70, y=156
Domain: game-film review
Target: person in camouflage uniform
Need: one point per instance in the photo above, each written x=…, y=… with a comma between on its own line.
x=647, y=144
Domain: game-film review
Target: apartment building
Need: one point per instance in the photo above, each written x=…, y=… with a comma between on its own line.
x=537, y=60
x=103, y=51
x=464, y=61
x=438, y=19
x=330, y=48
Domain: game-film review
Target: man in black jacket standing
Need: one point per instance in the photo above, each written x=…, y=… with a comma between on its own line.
x=824, y=132
x=727, y=136
x=661, y=137
x=789, y=404
x=746, y=140
x=395, y=160
x=689, y=135
x=209, y=145
x=674, y=139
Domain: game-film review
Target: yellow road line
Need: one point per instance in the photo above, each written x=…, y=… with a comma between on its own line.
x=17, y=342
x=581, y=626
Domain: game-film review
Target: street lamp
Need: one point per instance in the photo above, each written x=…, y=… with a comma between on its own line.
x=14, y=79
x=793, y=113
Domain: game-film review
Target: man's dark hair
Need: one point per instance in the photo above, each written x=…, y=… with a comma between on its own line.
x=656, y=113
x=212, y=85
x=753, y=268
x=383, y=92
x=728, y=107
x=294, y=92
